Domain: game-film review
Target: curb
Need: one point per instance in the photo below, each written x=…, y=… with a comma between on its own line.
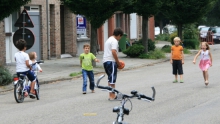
x=95, y=73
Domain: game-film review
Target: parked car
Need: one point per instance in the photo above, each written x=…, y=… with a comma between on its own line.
x=169, y=29
x=203, y=32
x=201, y=26
x=215, y=34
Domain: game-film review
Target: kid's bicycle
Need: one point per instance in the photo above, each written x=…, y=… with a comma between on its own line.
x=121, y=110
x=22, y=86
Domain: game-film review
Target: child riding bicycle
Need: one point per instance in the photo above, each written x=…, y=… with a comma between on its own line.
x=22, y=64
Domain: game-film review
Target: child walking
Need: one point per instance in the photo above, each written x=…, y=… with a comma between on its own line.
x=177, y=59
x=205, y=60
x=86, y=59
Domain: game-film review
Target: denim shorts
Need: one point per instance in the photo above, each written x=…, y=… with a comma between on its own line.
x=29, y=74
x=111, y=70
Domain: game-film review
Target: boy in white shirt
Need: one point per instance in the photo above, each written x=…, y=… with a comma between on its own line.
x=22, y=64
x=110, y=59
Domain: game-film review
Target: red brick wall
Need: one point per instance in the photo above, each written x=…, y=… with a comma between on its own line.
x=151, y=28
x=111, y=25
x=2, y=44
x=100, y=34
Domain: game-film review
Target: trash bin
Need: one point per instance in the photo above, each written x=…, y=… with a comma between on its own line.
x=122, y=42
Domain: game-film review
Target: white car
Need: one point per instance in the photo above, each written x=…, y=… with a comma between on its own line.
x=169, y=29
x=201, y=26
x=156, y=31
x=203, y=31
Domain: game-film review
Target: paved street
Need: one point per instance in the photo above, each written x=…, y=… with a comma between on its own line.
x=190, y=102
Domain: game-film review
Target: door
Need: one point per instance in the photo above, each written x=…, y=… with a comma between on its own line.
x=35, y=17
x=9, y=30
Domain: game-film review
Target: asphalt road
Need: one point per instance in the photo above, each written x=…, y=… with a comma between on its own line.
x=190, y=102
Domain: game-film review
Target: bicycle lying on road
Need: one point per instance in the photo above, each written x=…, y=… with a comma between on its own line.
x=22, y=86
x=121, y=110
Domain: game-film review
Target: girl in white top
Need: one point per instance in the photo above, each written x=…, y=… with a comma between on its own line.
x=205, y=60
x=33, y=59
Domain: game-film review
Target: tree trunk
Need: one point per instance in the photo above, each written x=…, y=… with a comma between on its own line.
x=93, y=43
x=179, y=29
x=145, y=33
x=161, y=26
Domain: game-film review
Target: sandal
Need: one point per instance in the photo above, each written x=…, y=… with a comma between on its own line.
x=206, y=83
x=175, y=81
x=115, y=99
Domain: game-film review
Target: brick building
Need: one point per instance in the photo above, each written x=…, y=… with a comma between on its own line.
x=62, y=30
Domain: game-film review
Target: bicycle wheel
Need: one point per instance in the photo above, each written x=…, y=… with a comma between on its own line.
x=37, y=90
x=19, y=96
x=37, y=94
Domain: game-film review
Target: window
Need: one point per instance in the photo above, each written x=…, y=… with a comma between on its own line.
x=118, y=20
x=32, y=8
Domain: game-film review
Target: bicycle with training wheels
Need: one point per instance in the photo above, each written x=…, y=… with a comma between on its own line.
x=22, y=85
x=122, y=110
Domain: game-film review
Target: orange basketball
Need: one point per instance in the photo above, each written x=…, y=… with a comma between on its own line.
x=122, y=64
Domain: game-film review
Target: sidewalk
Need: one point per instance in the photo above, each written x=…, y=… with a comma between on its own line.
x=60, y=69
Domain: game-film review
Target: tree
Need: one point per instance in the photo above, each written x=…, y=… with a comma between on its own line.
x=96, y=11
x=186, y=11
x=146, y=9
x=212, y=18
x=160, y=19
x=9, y=6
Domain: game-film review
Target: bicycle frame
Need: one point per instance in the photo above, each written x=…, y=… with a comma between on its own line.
x=22, y=86
x=121, y=110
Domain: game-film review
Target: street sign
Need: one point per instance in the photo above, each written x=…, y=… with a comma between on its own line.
x=28, y=37
x=81, y=25
x=24, y=17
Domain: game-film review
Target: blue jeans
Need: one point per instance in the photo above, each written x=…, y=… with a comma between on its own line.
x=90, y=75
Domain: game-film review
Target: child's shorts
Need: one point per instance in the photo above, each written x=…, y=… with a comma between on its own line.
x=177, y=67
x=111, y=71
x=29, y=74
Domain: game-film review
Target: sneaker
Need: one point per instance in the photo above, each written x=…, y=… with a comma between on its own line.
x=175, y=81
x=31, y=95
x=93, y=91
x=84, y=92
x=181, y=81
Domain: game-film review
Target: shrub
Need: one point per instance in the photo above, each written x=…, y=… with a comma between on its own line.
x=156, y=54
x=134, y=50
x=172, y=36
x=190, y=31
x=5, y=76
x=186, y=51
x=151, y=44
x=163, y=37
x=166, y=48
x=191, y=43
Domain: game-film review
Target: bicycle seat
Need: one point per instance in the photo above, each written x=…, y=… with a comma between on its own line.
x=22, y=76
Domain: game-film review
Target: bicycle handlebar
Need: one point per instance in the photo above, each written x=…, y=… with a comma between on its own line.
x=135, y=94
x=38, y=62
